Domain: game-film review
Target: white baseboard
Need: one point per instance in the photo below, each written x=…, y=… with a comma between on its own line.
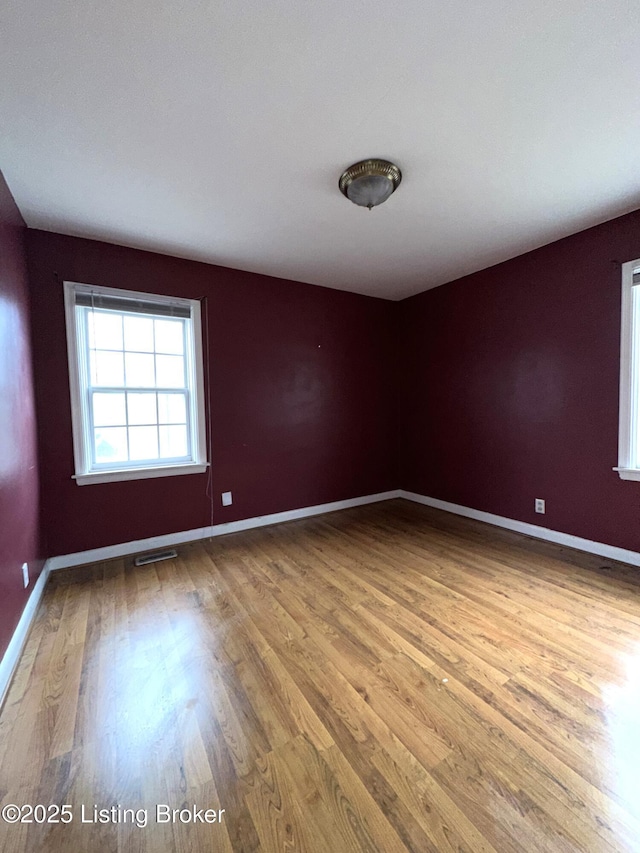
x=124, y=549
x=11, y=657
x=612, y=552
x=170, y=539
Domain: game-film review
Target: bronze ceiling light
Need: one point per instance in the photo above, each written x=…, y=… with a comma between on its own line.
x=370, y=182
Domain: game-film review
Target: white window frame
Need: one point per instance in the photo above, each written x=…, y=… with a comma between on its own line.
x=629, y=424
x=81, y=422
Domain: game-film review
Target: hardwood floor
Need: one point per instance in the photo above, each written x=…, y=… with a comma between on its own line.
x=387, y=678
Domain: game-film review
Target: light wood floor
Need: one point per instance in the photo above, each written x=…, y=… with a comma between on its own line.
x=388, y=678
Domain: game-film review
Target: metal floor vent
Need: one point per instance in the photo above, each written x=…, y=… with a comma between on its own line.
x=143, y=559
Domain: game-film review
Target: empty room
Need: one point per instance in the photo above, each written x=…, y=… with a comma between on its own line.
x=320, y=427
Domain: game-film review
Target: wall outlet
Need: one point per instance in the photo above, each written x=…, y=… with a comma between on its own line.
x=540, y=505
x=25, y=574
x=227, y=499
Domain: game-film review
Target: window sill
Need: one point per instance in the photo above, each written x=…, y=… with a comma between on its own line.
x=628, y=473
x=138, y=473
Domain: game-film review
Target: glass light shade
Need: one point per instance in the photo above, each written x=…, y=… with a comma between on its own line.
x=370, y=182
x=370, y=190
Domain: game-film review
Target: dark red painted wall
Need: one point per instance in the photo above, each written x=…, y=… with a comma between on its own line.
x=302, y=396
x=509, y=388
x=506, y=387
x=18, y=457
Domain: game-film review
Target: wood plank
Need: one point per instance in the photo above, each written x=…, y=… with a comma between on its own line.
x=385, y=678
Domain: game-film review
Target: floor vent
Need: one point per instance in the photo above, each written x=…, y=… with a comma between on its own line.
x=143, y=559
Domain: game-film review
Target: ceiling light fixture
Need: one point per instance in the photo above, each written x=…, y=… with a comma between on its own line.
x=370, y=182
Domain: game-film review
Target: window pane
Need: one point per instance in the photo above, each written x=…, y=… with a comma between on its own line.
x=105, y=330
x=109, y=410
x=141, y=408
x=170, y=336
x=136, y=366
x=173, y=442
x=172, y=409
x=634, y=457
x=170, y=371
x=106, y=368
x=110, y=444
x=140, y=372
x=138, y=333
x=143, y=442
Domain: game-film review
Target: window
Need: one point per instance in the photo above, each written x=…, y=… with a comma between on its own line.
x=629, y=435
x=135, y=368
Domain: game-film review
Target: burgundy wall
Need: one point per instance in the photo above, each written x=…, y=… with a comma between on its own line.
x=302, y=396
x=509, y=388
x=507, y=391
x=18, y=457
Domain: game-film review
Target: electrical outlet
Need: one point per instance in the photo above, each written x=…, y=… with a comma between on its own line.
x=227, y=499
x=540, y=505
x=25, y=574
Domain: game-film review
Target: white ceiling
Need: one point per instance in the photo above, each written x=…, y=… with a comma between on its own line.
x=218, y=130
